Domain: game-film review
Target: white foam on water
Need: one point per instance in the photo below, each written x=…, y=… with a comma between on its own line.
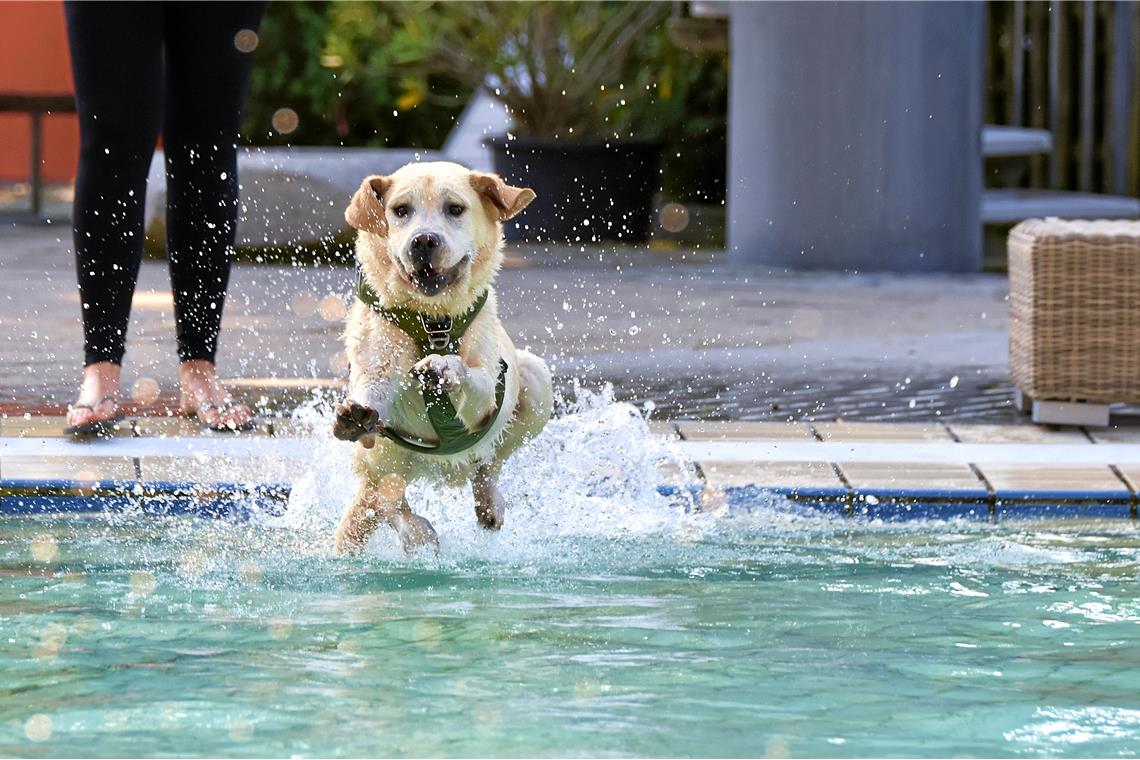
x=1056, y=727
x=592, y=474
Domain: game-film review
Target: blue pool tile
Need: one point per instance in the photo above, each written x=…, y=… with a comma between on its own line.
x=899, y=510
x=820, y=498
x=1008, y=509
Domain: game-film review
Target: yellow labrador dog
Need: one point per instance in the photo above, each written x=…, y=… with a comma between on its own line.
x=437, y=388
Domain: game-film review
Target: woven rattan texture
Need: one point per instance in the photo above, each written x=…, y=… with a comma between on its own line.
x=1074, y=327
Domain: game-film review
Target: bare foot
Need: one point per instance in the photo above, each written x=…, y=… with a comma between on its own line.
x=203, y=395
x=100, y=381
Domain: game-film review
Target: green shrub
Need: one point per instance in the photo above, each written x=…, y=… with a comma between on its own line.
x=398, y=74
x=342, y=68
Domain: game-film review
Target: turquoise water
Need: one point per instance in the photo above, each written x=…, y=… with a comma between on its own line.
x=605, y=619
x=766, y=634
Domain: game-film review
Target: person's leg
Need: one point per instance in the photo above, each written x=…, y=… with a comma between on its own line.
x=116, y=59
x=206, y=79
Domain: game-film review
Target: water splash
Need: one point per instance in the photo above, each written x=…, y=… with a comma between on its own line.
x=594, y=472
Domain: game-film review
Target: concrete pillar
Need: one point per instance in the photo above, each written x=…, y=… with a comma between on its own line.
x=855, y=135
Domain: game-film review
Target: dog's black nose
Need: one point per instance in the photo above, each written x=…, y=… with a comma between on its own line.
x=425, y=241
x=423, y=245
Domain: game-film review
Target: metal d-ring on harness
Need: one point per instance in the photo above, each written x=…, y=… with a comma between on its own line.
x=438, y=331
x=436, y=336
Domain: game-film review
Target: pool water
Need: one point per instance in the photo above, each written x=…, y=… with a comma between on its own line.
x=807, y=637
x=606, y=619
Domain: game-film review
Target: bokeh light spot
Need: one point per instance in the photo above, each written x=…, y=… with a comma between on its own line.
x=145, y=390
x=338, y=363
x=280, y=628
x=713, y=499
x=806, y=323
x=391, y=487
x=52, y=639
x=777, y=747
x=193, y=563
x=241, y=730
x=250, y=573
x=38, y=727
x=427, y=633
x=142, y=583
x=246, y=40
x=44, y=547
x=587, y=688
x=331, y=308
x=674, y=217
x=349, y=645
x=285, y=120
x=304, y=304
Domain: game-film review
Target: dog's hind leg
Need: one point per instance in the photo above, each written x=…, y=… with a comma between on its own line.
x=532, y=411
x=533, y=408
x=382, y=501
x=489, y=506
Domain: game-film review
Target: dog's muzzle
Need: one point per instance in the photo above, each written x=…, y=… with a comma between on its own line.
x=429, y=280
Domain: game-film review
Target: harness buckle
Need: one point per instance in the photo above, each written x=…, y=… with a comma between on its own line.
x=438, y=331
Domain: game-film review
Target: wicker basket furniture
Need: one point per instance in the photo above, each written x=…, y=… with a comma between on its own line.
x=1074, y=318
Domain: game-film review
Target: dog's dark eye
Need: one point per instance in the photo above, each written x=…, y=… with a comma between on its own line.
x=455, y=209
x=402, y=211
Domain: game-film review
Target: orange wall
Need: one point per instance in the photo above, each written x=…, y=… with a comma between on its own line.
x=33, y=59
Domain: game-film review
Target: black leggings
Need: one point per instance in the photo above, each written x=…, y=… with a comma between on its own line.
x=139, y=66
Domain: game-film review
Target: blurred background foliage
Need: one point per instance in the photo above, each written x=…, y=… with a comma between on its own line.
x=398, y=74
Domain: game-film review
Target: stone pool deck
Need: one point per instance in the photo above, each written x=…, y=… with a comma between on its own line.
x=878, y=470
x=696, y=333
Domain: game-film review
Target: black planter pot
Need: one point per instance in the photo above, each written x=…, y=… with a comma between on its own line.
x=586, y=190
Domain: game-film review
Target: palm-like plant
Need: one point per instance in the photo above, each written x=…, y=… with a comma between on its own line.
x=563, y=69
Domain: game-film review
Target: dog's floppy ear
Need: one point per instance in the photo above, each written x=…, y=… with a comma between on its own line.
x=509, y=201
x=366, y=209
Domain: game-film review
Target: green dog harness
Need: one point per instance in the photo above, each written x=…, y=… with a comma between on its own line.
x=436, y=336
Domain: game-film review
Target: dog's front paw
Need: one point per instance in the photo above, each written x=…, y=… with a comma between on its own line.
x=354, y=421
x=445, y=373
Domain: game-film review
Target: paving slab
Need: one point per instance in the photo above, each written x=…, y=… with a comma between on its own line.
x=883, y=432
x=968, y=433
x=887, y=471
x=225, y=470
x=911, y=476
x=1013, y=481
x=36, y=426
x=663, y=428
x=166, y=427
x=715, y=430
x=88, y=469
x=1129, y=434
x=771, y=474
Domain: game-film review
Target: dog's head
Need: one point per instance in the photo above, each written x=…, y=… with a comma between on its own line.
x=431, y=233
